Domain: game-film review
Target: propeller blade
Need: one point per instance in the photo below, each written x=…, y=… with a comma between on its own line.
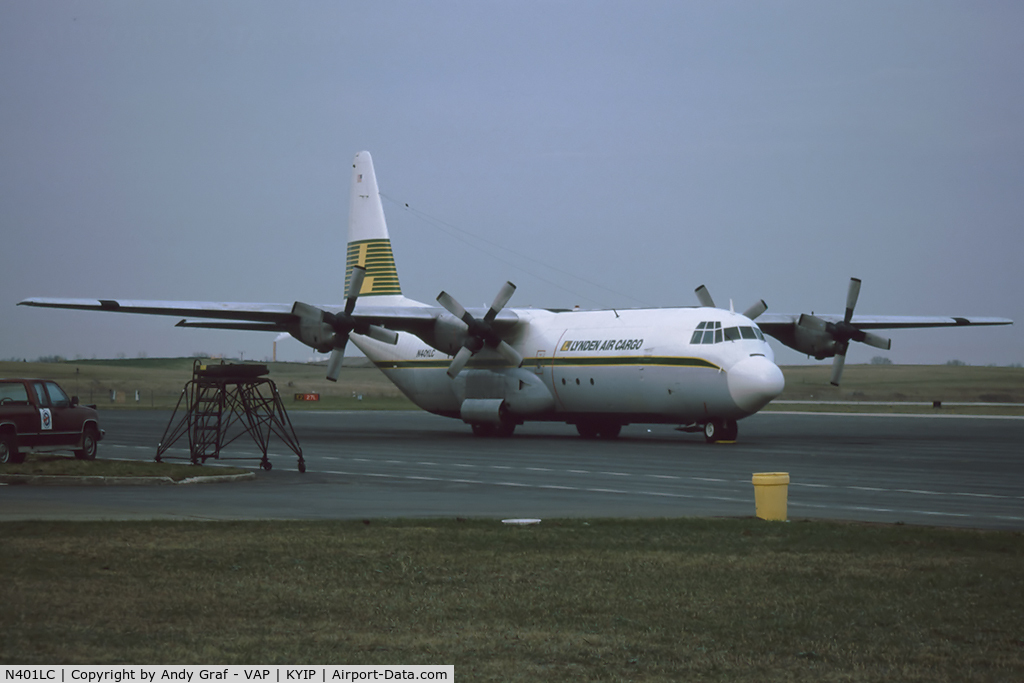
x=756, y=310
x=852, y=295
x=877, y=341
x=704, y=296
x=302, y=310
x=812, y=322
x=334, y=364
x=837, y=368
x=510, y=354
x=451, y=305
x=459, y=362
x=355, y=282
x=382, y=334
x=355, y=285
x=504, y=294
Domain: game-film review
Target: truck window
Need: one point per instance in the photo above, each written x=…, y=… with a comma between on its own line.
x=12, y=391
x=41, y=398
x=58, y=399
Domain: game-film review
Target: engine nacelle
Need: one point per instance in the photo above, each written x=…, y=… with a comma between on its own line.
x=449, y=335
x=311, y=329
x=821, y=345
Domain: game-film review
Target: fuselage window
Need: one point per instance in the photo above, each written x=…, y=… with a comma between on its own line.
x=712, y=333
x=737, y=333
x=698, y=334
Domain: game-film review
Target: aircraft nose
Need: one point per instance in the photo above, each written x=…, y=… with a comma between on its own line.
x=754, y=382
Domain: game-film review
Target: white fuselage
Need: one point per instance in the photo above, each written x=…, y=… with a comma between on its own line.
x=637, y=365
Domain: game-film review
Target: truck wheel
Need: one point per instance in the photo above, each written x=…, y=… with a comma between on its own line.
x=9, y=450
x=90, y=442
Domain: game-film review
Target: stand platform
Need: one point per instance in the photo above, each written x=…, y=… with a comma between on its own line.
x=221, y=404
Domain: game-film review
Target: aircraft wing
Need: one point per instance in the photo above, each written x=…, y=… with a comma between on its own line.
x=221, y=315
x=254, y=313
x=771, y=322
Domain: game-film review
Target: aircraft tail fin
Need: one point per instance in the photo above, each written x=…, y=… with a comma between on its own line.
x=369, y=245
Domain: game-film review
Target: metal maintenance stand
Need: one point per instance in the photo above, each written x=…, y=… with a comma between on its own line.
x=223, y=402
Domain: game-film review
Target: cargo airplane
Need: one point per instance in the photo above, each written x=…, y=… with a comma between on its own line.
x=701, y=367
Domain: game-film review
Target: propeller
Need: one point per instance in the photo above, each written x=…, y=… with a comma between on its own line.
x=343, y=323
x=842, y=333
x=704, y=296
x=480, y=333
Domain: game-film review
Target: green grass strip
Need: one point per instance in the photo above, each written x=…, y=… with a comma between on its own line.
x=595, y=600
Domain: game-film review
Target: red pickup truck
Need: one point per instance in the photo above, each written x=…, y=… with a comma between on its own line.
x=36, y=415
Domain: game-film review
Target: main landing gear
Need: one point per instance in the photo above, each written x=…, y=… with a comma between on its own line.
x=720, y=430
x=503, y=429
x=599, y=429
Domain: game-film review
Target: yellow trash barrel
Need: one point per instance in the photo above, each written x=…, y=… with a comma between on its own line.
x=770, y=492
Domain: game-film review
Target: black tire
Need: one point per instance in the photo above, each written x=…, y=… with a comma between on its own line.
x=587, y=430
x=482, y=429
x=503, y=430
x=90, y=444
x=9, y=454
x=609, y=431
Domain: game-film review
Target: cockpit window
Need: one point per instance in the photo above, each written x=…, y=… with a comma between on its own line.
x=711, y=332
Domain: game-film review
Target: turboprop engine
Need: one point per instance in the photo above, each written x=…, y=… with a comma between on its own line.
x=326, y=331
x=823, y=339
x=473, y=334
x=312, y=330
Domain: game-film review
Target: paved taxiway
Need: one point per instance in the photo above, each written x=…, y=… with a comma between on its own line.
x=917, y=470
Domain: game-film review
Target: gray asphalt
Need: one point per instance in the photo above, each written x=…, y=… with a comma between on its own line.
x=964, y=472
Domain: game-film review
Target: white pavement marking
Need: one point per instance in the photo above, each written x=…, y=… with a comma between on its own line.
x=919, y=415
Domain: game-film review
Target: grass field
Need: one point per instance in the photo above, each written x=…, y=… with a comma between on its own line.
x=361, y=386
x=159, y=383
x=50, y=465
x=601, y=600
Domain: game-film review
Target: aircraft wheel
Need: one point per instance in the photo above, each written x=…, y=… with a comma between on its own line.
x=720, y=430
x=505, y=429
x=482, y=429
x=609, y=431
x=713, y=431
x=302, y=466
x=588, y=430
x=267, y=465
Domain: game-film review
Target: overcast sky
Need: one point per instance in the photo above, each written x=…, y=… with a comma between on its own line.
x=600, y=154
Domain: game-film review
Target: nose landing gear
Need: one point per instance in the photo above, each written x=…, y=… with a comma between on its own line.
x=716, y=431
